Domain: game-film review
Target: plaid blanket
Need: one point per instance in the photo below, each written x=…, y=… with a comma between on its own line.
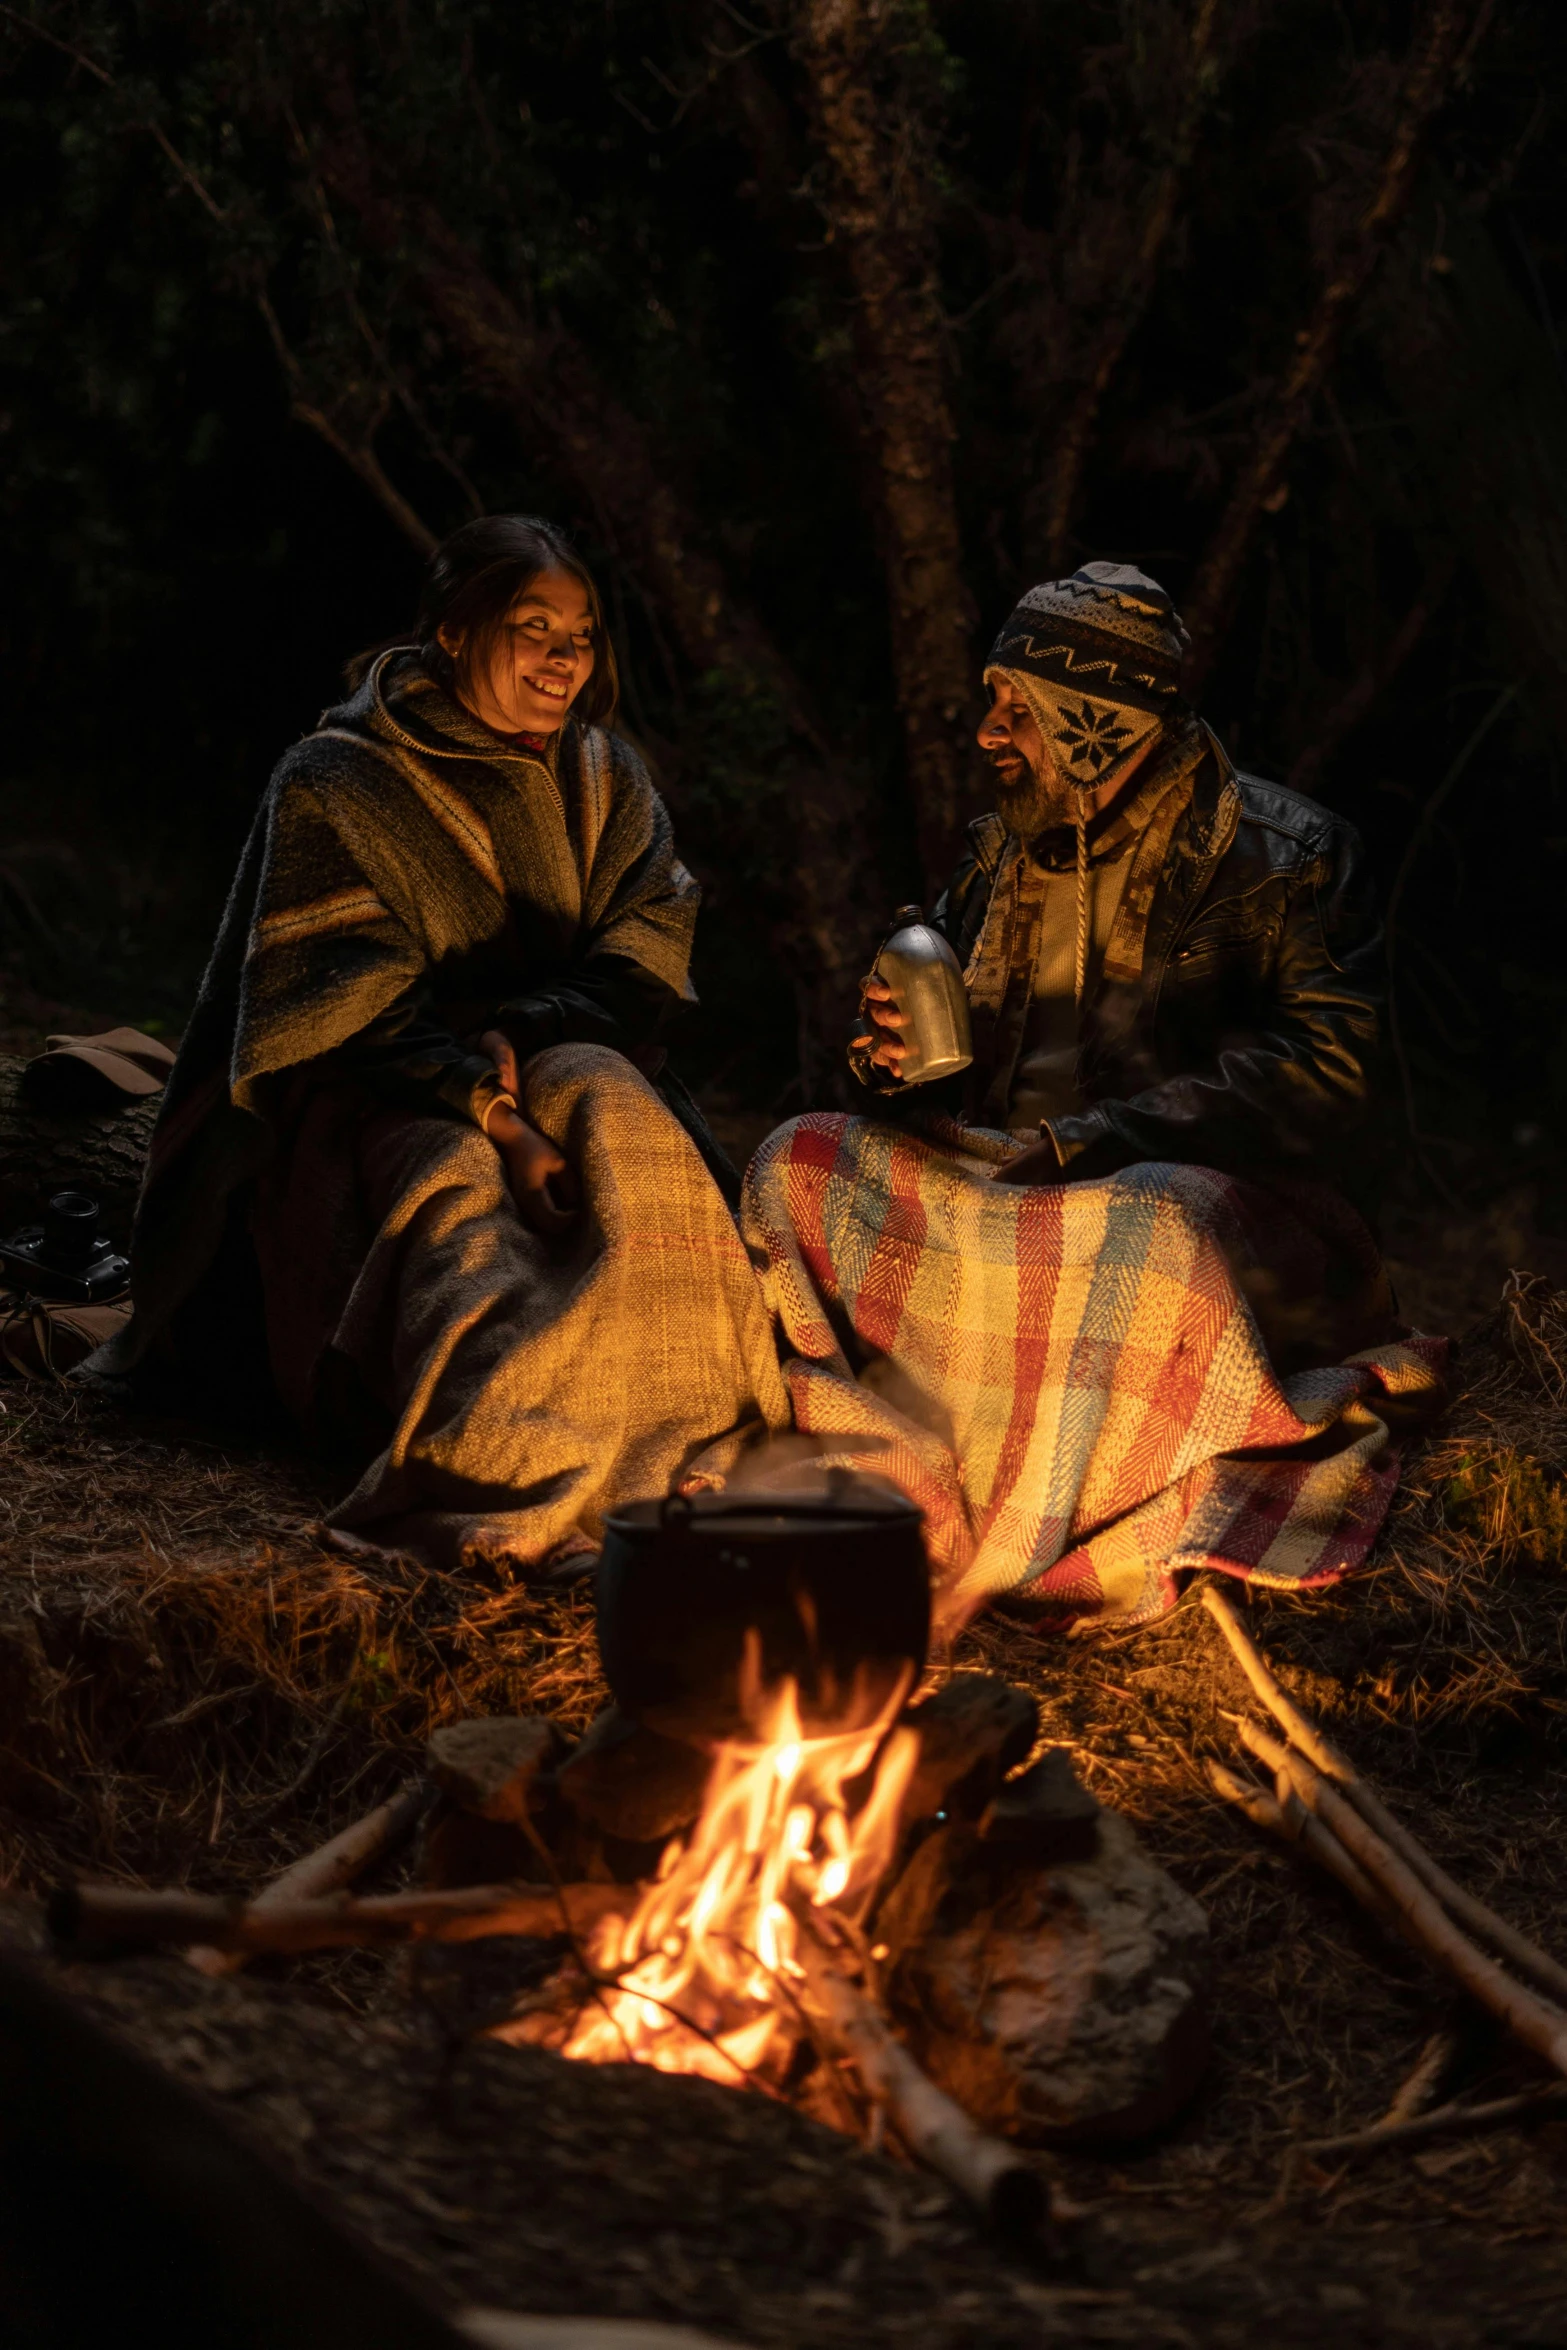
x=1076, y=1382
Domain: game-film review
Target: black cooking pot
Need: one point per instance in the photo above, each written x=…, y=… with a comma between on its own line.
x=832, y=1579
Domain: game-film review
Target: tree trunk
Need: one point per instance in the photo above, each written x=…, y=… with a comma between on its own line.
x=42, y=1152
x=879, y=204
x=1484, y=396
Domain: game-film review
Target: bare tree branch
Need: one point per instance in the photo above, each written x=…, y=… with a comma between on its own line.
x=391, y=375
x=1376, y=675
x=1133, y=289
x=1438, y=53
x=101, y=74
x=356, y=451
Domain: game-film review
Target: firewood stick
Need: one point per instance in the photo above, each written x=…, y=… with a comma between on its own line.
x=1443, y=2121
x=1258, y=1805
x=1421, y=1918
x=1008, y=2190
x=1535, y=1964
x=1295, y=1825
x=327, y=1870
x=1302, y=1729
x=1322, y=1846
x=88, y=1916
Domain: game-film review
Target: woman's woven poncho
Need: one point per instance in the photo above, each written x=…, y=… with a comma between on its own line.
x=396, y=842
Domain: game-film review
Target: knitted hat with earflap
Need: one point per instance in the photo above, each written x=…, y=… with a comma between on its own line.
x=1097, y=659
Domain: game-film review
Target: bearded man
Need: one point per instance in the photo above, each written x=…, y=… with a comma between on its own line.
x=1093, y=1302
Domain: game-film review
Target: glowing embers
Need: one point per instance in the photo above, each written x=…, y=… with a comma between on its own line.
x=699, y=1978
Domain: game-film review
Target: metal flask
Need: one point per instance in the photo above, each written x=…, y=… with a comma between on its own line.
x=927, y=986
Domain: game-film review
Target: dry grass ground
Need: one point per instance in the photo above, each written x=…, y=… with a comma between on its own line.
x=193, y=1689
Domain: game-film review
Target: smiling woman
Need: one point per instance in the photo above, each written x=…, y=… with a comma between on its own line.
x=422, y=1118
x=511, y=624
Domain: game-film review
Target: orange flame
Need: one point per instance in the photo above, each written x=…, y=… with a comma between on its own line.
x=699, y=1971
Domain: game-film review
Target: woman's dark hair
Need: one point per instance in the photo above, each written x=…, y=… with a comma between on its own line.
x=474, y=579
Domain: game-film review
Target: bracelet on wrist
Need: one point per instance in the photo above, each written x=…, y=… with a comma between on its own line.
x=496, y=1101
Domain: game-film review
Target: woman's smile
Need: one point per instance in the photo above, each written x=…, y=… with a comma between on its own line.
x=551, y=622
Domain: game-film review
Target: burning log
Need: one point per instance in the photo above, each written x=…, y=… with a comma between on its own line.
x=327, y=1870
x=92, y=1918
x=995, y=2178
x=694, y=1977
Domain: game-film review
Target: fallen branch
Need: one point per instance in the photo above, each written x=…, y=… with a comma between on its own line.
x=1437, y=50
x=95, y=1917
x=1443, y=2121
x=1295, y=1824
x=327, y=1870
x=1008, y=2190
x=1528, y=1958
x=1421, y=1918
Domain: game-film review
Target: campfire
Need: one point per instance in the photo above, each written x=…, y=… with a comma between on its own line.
x=706, y=1969
x=772, y=1863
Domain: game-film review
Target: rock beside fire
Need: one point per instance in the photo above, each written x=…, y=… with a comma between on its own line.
x=487, y=1765
x=972, y=1731
x=1061, y=2002
x=1043, y=1813
x=631, y=1782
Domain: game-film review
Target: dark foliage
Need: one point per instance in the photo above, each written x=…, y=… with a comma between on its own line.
x=824, y=325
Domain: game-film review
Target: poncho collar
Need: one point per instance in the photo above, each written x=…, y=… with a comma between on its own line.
x=402, y=702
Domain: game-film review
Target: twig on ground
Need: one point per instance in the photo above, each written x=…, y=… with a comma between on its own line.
x=1443, y=2121
x=207, y=1703
x=1535, y=1964
x=1420, y=2084
x=313, y=1759
x=328, y=1869
x=1302, y=1729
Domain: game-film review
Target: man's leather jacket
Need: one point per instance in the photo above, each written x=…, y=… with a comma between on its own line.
x=1248, y=1042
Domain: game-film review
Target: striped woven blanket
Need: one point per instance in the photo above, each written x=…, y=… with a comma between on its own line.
x=1075, y=1381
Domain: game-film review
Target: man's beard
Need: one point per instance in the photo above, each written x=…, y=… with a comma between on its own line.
x=1031, y=804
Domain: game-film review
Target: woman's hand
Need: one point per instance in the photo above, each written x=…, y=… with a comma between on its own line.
x=498, y=1045
x=1038, y=1164
x=881, y=1026
x=539, y=1177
